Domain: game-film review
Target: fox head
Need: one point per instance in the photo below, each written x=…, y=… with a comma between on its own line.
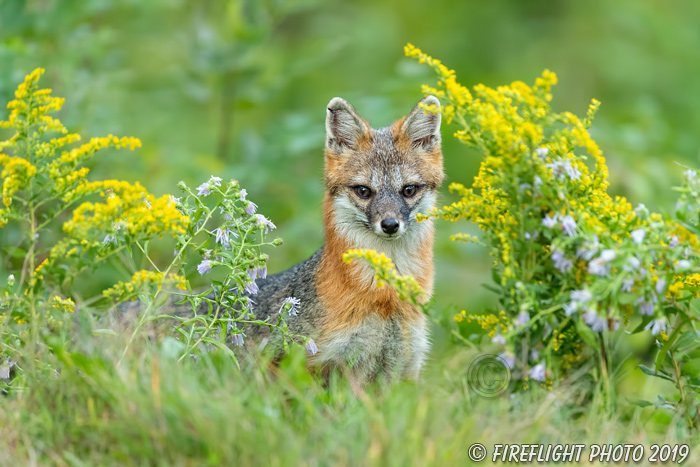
x=377, y=180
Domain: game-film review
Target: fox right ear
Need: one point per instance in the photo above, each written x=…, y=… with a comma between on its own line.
x=344, y=126
x=422, y=127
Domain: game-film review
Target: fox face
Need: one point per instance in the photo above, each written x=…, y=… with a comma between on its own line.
x=377, y=180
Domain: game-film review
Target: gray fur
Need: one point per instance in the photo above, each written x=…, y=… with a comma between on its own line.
x=299, y=282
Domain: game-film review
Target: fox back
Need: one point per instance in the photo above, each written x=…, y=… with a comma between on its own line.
x=376, y=181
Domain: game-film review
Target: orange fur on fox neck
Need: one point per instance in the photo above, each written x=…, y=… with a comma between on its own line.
x=348, y=299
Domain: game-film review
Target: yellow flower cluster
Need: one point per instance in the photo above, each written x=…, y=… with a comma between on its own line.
x=488, y=323
x=34, y=156
x=63, y=169
x=125, y=206
x=145, y=280
x=526, y=147
x=15, y=175
x=63, y=304
x=30, y=106
x=385, y=273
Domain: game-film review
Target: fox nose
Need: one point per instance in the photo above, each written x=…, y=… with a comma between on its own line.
x=390, y=225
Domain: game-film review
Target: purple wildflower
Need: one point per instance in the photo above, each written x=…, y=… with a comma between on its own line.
x=204, y=189
x=538, y=372
x=204, y=267
x=638, y=236
x=549, y=221
x=237, y=339
x=250, y=208
x=311, y=347
x=262, y=220
x=568, y=223
x=294, y=306
x=656, y=326
x=498, y=339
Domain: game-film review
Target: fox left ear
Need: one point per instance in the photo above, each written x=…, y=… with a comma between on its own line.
x=423, y=127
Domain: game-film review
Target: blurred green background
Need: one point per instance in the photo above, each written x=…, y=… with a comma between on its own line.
x=238, y=89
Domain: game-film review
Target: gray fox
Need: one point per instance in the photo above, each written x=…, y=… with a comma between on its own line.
x=376, y=181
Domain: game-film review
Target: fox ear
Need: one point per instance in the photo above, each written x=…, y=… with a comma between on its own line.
x=423, y=128
x=344, y=126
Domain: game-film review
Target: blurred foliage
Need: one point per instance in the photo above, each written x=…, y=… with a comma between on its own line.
x=238, y=89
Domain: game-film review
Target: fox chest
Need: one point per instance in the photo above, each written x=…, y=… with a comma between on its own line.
x=391, y=346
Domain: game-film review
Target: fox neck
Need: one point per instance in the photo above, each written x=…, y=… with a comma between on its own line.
x=412, y=254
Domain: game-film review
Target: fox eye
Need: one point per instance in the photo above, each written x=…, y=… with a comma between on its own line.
x=409, y=191
x=363, y=192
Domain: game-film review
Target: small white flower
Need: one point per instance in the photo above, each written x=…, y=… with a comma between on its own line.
x=561, y=263
x=535, y=355
x=508, y=359
x=632, y=265
x=690, y=174
x=581, y=296
x=682, y=264
x=538, y=372
x=656, y=326
x=262, y=272
x=638, y=236
x=109, y=239
x=216, y=181
x=244, y=193
x=237, y=339
x=498, y=339
x=294, y=306
x=537, y=182
x=607, y=255
x=569, y=225
x=262, y=220
x=673, y=241
x=572, y=172
x=588, y=249
x=204, y=189
x=570, y=308
x=596, y=323
x=542, y=152
x=252, y=287
x=311, y=347
x=250, y=208
x=645, y=308
x=523, y=318
x=627, y=285
x=549, y=221
x=599, y=267
x=204, y=267
x=660, y=286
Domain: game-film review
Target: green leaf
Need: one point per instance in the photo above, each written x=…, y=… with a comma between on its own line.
x=587, y=335
x=640, y=328
x=651, y=372
x=640, y=402
x=691, y=368
x=687, y=339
